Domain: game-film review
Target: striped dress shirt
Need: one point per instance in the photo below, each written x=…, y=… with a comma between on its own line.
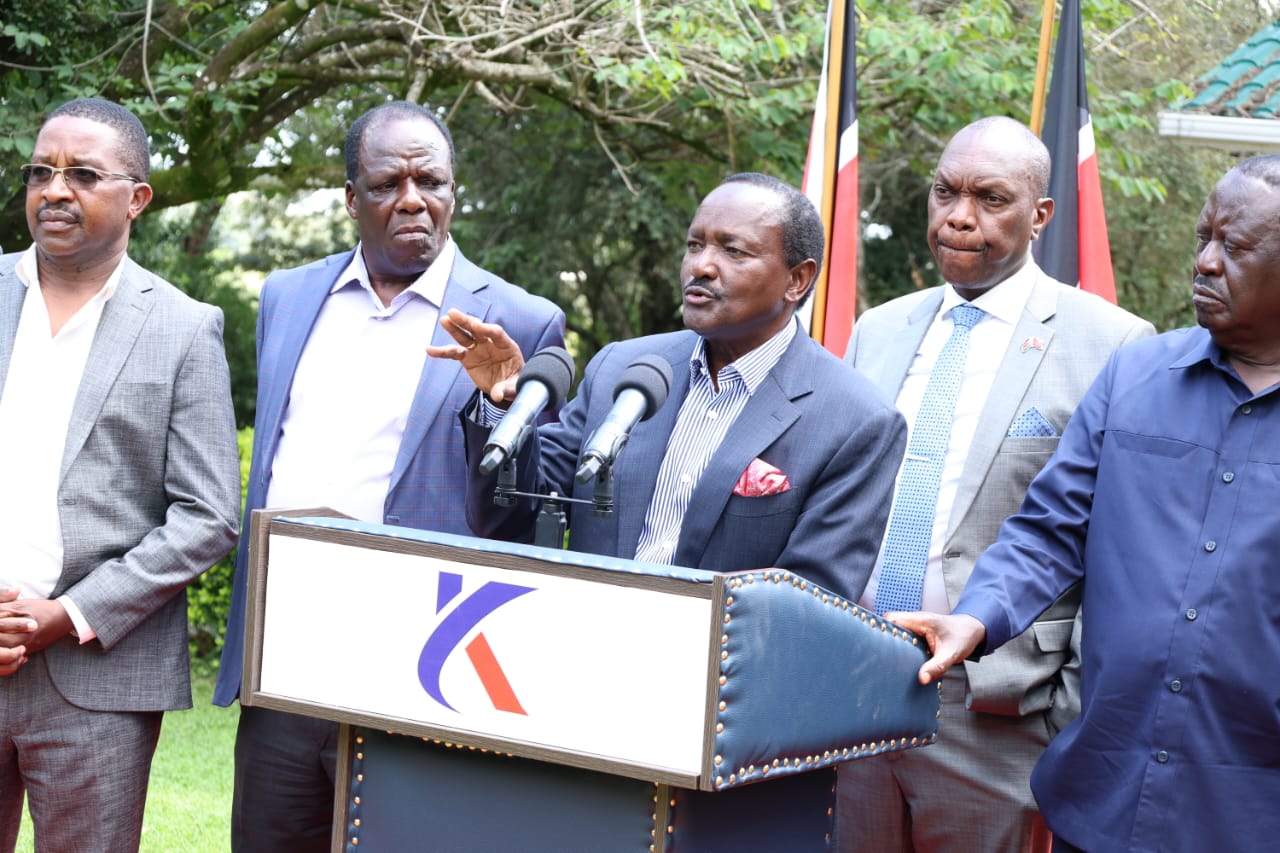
x=705, y=418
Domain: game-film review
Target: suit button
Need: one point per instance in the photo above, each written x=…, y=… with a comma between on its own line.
x=1162, y=756
x=1211, y=546
x=1228, y=476
x=1176, y=685
x=1191, y=614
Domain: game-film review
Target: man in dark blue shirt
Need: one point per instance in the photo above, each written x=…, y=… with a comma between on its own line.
x=1162, y=499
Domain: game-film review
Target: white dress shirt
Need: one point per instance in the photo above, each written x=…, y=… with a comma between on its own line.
x=40, y=390
x=352, y=391
x=988, y=341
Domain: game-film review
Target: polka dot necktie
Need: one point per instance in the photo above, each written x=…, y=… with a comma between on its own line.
x=906, y=544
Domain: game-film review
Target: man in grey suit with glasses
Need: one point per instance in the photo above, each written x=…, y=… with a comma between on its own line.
x=117, y=441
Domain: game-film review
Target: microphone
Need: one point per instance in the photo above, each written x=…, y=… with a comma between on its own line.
x=641, y=390
x=543, y=382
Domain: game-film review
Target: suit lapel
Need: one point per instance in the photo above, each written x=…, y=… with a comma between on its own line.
x=122, y=319
x=898, y=348
x=768, y=414
x=12, y=295
x=636, y=471
x=464, y=291
x=1009, y=389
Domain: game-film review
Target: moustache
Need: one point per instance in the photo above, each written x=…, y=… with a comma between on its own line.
x=62, y=209
x=700, y=284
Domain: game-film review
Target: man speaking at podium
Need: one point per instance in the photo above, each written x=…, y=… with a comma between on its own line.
x=770, y=451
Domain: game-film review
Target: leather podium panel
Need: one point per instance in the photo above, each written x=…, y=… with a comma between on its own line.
x=414, y=795
x=407, y=795
x=787, y=814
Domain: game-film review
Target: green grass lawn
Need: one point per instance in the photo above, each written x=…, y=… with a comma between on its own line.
x=189, y=799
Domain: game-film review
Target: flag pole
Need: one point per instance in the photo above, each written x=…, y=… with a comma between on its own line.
x=835, y=59
x=1042, y=67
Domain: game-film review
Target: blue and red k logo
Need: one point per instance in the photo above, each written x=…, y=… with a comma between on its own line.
x=469, y=613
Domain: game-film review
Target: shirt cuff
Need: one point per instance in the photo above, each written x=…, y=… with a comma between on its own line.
x=486, y=413
x=80, y=629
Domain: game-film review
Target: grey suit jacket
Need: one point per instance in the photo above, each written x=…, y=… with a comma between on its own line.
x=149, y=489
x=1076, y=333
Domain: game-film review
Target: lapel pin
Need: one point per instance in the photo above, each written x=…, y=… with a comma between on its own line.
x=1032, y=343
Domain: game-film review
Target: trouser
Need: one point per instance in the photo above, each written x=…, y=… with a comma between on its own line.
x=83, y=772
x=969, y=791
x=284, y=783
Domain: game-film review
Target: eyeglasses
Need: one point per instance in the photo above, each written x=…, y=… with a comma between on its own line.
x=76, y=177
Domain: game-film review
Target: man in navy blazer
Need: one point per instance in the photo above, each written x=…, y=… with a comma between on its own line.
x=768, y=452
x=352, y=415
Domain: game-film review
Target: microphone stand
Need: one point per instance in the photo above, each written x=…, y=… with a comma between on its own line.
x=549, y=529
x=602, y=498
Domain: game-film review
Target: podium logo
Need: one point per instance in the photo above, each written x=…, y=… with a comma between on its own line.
x=451, y=631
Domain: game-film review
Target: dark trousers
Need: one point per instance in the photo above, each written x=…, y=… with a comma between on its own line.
x=284, y=783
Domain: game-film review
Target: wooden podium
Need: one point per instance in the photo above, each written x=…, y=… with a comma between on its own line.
x=504, y=697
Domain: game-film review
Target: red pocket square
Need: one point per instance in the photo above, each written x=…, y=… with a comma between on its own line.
x=761, y=479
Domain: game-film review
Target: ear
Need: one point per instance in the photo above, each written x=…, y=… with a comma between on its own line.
x=1043, y=213
x=350, y=189
x=139, y=200
x=802, y=279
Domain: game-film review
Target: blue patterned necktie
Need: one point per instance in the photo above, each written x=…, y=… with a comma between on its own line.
x=906, y=544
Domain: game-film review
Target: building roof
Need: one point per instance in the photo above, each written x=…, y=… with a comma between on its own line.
x=1236, y=105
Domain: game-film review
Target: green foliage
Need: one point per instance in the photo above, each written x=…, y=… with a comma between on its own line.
x=588, y=129
x=209, y=598
x=257, y=234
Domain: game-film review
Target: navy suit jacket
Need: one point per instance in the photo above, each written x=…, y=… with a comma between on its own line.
x=822, y=424
x=428, y=479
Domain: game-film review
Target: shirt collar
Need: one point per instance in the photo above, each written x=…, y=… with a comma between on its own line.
x=1006, y=301
x=28, y=271
x=752, y=367
x=429, y=285
x=1200, y=347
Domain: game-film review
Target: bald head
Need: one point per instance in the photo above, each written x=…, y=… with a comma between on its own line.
x=987, y=204
x=1012, y=141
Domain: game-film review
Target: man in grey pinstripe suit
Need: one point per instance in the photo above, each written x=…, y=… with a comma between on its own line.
x=117, y=441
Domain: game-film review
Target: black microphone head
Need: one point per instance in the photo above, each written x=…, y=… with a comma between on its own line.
x=553, y=367
x=651, y=376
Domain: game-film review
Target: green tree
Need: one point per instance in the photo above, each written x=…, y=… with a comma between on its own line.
x=242, y=95
x=586, y=129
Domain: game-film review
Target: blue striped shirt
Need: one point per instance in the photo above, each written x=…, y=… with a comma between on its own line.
x=705, y=418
